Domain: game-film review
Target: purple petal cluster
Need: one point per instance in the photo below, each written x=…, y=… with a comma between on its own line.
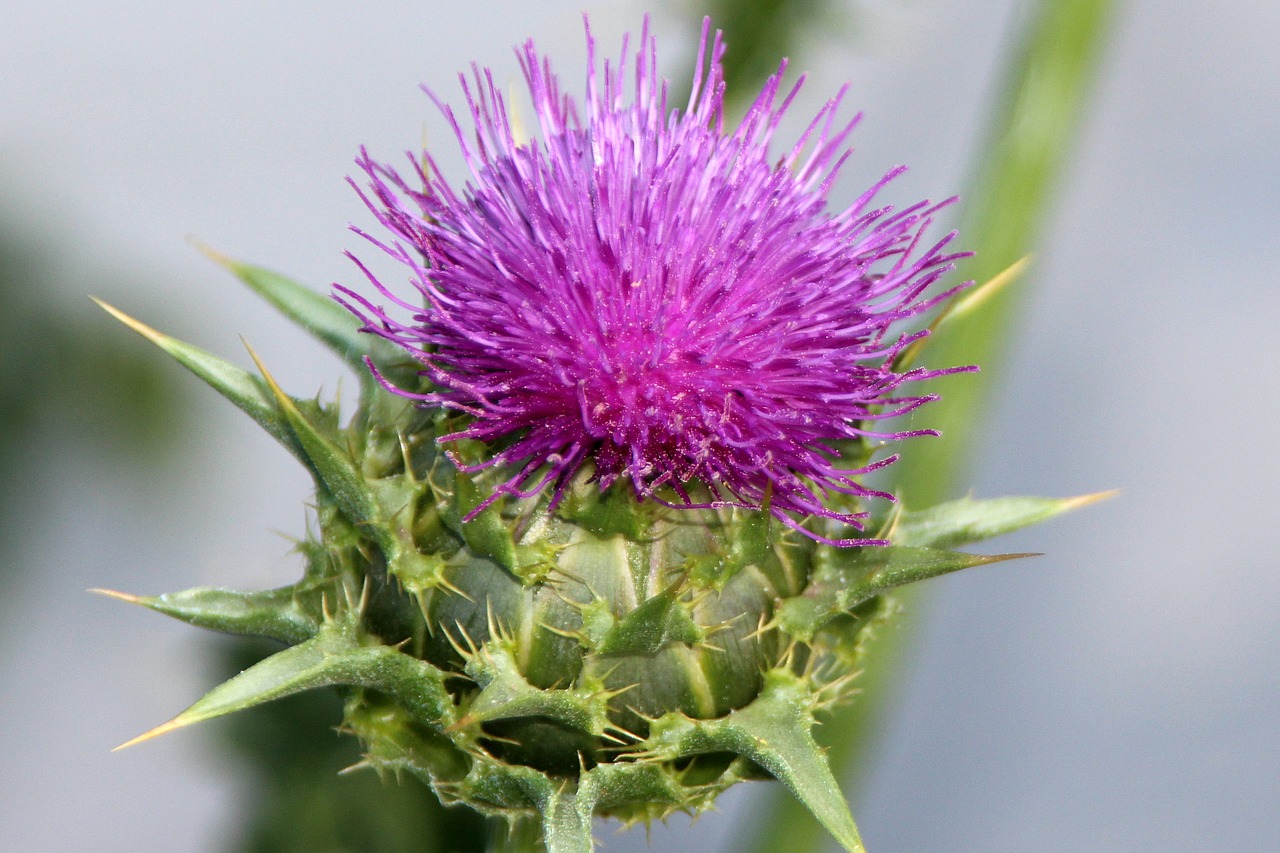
x=642, y=291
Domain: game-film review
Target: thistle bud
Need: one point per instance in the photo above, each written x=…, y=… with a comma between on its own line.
x=596, y=541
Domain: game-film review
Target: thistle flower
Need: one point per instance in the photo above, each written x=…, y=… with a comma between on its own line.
x=645, y=293
x=545, y=572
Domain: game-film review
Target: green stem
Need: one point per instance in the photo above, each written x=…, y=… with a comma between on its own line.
x=519, y=835
x=1023, y=160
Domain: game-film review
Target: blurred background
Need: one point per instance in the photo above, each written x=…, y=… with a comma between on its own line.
x=1120, y=693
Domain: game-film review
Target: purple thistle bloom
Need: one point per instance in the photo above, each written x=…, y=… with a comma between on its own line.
x=643, y=292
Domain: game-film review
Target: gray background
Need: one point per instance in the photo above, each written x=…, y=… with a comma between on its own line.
x=1119, y=694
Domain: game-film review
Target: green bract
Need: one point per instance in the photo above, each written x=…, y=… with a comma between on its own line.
x=608, y=658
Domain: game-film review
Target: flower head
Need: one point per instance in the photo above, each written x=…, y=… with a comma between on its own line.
x=645, y=292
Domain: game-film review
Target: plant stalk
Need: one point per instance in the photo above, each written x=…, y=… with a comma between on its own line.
x=1027, y=151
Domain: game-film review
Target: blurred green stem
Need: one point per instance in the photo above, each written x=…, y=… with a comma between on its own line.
x=1034, y=127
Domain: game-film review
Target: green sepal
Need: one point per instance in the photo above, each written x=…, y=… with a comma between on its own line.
x=246, y=391
x=394, y=741
x=774, y=731
x=334, y=657
x=505, y=694
x=640, y=791
x=398, y=506
x=487, y=534
x=847, y=577
x=609, y=513
x=658, y=622
x=326, y=320
x=275, y=613
x=752, y=539
x=849, y=636
x=964, y=521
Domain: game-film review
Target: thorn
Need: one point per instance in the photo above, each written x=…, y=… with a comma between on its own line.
x=609, y=694
x=499, y=739
x=365, y=593
x=405, y=456
x=568, y=575
x=696, y=599
x=463, y=723
x=281, y=397
x=604, y=676
x=576, y=605
x=987, y=289
x=810, y=664
x=490, y=622
x=121, y=596
x=362, y=764
x=497, y=631
x=348, y=594
x=962, y=304
x=1000, y=558
x=137, y=325
x=162, y=729
x=891, y=523
x=637, y=712
x=727, y=624
x=467, y=653
x=1086, y=500
x=787, y=659
x=210, y=252
x=764, y=627
x=564, y=632
x=445, y=584
x=625, y=732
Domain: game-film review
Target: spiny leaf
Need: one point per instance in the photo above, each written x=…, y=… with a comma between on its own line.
x=848, y=577
x=774, y=732
x=244, y=390
x=273, y=613
x=965, y=521
x=606, y=514
x=332, y=465
x=506, y=694
x=485, y=534
x=333, y=657
x=753, y=536
x=659, y=621
x=324, y=318
x=562, y=823
x=395, y=741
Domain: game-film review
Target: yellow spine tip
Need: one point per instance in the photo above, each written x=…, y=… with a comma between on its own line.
x=163, y=729
x=137, y=325
x=282, y=398
x=1086, y=500
x=210, y=252
x=122, y=596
